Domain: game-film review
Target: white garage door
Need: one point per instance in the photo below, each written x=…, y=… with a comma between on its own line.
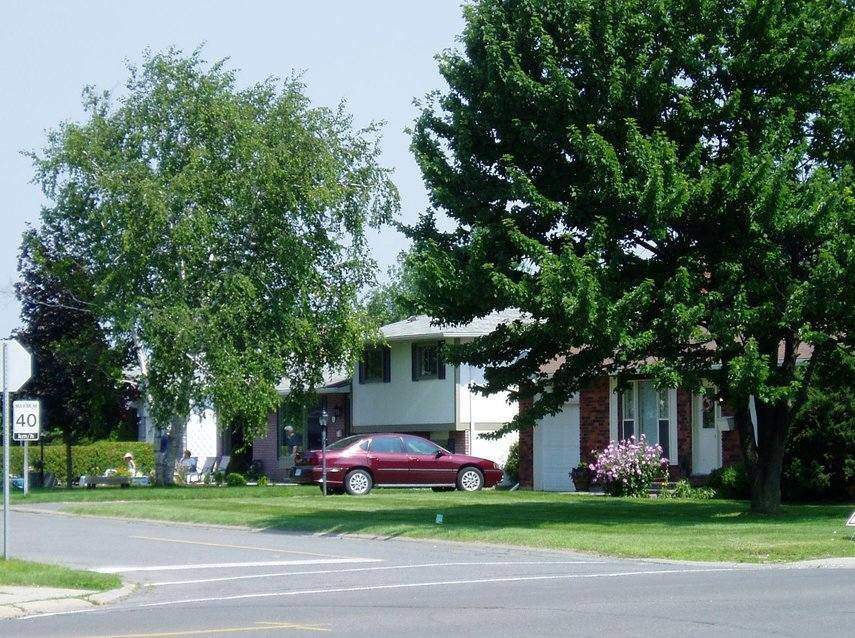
x=556, y=450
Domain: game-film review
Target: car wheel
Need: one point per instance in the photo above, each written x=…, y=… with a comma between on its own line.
x=358, y=482
x=470, y=479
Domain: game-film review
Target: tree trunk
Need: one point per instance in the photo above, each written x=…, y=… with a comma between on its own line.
x=68, y=464
x=766, y=483
x=763, y=457
x=175, y=437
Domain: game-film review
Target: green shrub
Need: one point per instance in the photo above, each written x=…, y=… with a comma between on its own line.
x=218, y=477
x=730, y=482
x=234, y=479
x=94, y=458
x=683, y=489
x=512, y=465
x=262, y=481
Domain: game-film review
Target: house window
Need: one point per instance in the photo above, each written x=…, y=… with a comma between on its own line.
x=375, y=365
x=708, y=411
x=628, y=412
x=646, y=410
x=427, y=361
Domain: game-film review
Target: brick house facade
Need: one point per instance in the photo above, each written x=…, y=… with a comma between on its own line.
x=596, y=410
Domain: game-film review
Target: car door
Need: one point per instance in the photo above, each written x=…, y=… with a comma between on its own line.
x=427, y=467
x=388, y=461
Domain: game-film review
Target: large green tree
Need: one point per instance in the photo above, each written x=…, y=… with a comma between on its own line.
x=394, y=300
x=224, y=232
x=77, y=370
x=663, y=187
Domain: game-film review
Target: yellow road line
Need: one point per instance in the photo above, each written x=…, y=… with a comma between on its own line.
x=258, y=549
x=224, y=630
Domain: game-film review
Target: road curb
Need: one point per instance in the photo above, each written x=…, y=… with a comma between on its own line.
x=112, y=595
x=64, y=604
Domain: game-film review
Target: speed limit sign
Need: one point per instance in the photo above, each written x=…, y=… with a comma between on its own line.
x=26, y=420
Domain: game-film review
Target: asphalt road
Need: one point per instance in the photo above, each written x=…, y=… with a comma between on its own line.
x=207, y=581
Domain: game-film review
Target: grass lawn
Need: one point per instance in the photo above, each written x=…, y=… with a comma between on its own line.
x=716, y=530
x=21, y=572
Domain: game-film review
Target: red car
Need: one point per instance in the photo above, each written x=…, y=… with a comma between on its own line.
x=357, y=463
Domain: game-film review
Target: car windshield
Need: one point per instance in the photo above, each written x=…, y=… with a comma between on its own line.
x=343, y=444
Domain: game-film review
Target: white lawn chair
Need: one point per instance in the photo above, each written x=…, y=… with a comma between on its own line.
x=202, y=475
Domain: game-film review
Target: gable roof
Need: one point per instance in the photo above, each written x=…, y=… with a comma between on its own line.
x=422, y=327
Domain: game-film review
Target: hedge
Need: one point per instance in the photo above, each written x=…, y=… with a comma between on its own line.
x=94, y=458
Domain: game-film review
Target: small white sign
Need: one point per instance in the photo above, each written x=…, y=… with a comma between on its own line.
x=851, y=521
x=26, y=420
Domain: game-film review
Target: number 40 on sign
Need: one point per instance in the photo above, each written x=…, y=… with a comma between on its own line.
x=26, y=420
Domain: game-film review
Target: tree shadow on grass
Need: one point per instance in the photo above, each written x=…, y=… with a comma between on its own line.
x=599, y=513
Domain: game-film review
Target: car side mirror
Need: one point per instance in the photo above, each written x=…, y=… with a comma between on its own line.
x=439, y=453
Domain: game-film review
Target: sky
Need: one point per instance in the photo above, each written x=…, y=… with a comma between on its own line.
x=377, y=55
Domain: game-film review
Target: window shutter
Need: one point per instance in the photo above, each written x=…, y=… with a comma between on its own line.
x=440, y=361
x=387, y=364
x=362, y=372
x=415, y=362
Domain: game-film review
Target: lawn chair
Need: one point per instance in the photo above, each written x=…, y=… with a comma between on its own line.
x=204, y=474
x=223, y=465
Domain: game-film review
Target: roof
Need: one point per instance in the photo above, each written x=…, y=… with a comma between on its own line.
x=804, y=351
x=333, y=383
x=422, y=326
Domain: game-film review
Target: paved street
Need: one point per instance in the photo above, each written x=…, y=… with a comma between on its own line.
x=212, y=581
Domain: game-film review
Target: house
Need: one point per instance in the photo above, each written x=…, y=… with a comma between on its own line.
x=403, y=385
x=696, y=433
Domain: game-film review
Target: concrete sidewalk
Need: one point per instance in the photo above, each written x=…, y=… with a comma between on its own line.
x=18, y=601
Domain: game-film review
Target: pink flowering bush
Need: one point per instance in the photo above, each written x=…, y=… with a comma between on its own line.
x=627, y=468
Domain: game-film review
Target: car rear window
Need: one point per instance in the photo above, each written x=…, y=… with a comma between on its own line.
x=343, y=444
x=387, y=445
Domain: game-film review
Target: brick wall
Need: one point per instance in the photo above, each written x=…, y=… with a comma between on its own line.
x=526, y=471
x=684, y=435
x=461, y=441
x=337, y=404
x=594, y=418
x=264, y=450
x=731, y=451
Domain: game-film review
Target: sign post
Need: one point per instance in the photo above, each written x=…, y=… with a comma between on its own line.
x=26, y=427
x=17, y=367
x=5, y=363
x=322, y=420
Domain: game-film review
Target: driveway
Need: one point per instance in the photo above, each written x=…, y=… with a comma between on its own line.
x=208, y=581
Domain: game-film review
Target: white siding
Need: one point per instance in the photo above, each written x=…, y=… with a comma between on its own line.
x=201, y=435
x=402, y=401
x=556, y=449
x=490, y=409
x=495, y=450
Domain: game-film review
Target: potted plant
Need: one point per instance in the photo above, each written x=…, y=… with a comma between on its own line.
x=581, y=477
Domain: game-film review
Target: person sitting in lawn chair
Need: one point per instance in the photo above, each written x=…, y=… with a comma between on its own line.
x=185, y=466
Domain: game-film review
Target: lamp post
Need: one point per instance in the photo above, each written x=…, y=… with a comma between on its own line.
x=322, y=420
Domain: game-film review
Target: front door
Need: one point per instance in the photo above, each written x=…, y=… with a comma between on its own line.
x=388, y=461
x=426, y=468
x=706, y=439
